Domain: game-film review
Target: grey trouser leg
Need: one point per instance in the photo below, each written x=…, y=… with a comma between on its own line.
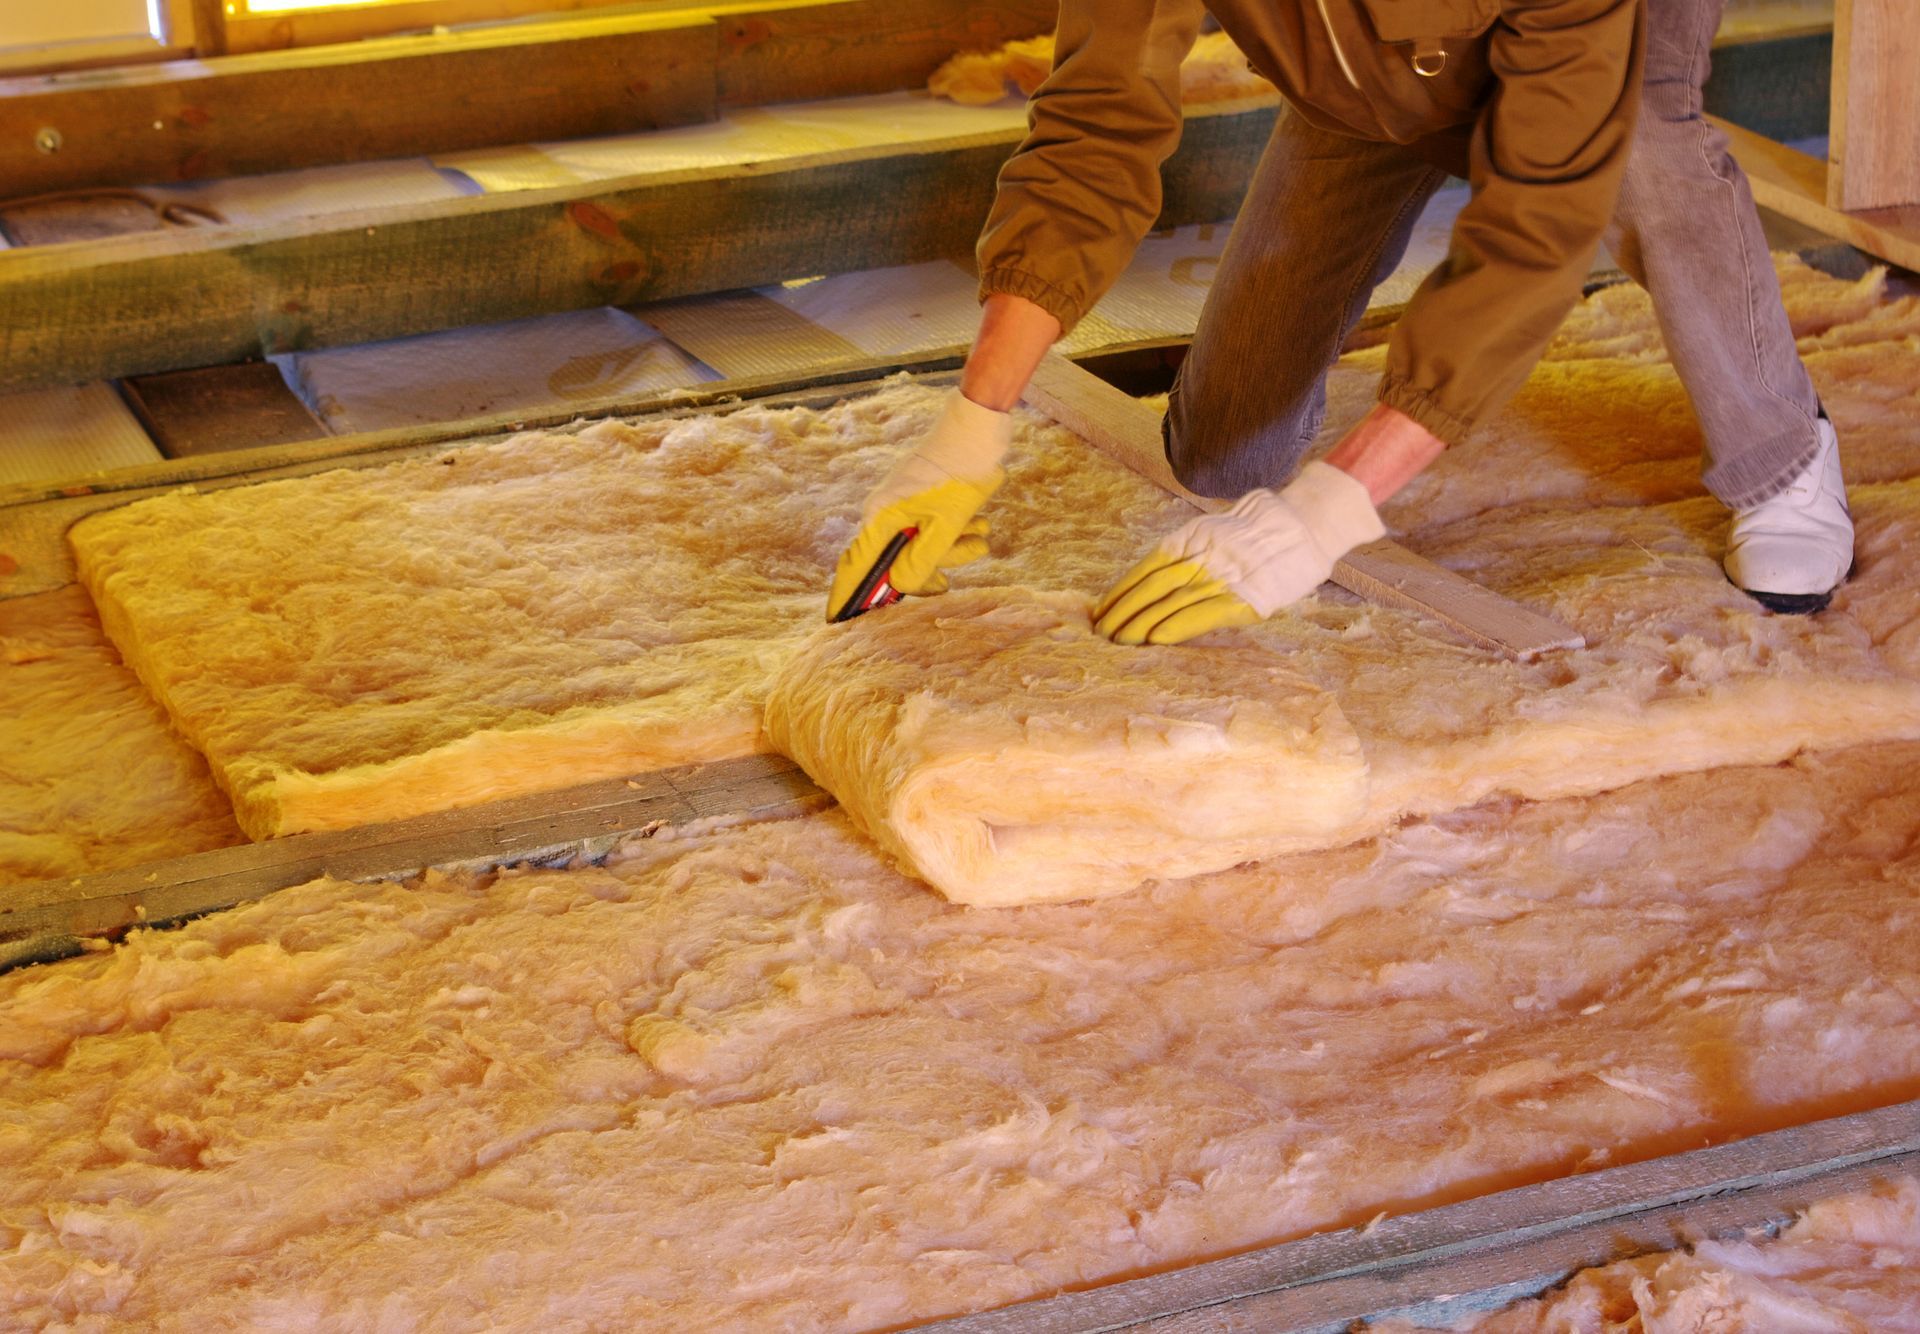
x=1326, y=219
x=1686, y=231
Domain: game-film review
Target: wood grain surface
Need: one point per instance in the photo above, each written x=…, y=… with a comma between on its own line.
x=168, y=301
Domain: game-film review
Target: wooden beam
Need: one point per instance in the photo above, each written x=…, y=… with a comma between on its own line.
x=1381, y=572
x=1513, y=1244
x=805, y=49
x=437, y=93
x=49, y=918
x=140, y=304
x=193, y=120
x=209, y=31
x=1874, y=129
x=1794, y=184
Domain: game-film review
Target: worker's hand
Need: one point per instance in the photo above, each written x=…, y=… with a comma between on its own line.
x=1241, y=566
x=938, y=488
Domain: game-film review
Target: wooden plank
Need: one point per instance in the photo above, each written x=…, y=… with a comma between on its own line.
x=1874, y=127
x=45, y=919
x=192, y=120
x=1382, y=572
x=1795, y=184
x=140, y=304
x=802, y=50
x=209, y=27
x=1325, y=1281
x=1439, y=1291
x=221, y=408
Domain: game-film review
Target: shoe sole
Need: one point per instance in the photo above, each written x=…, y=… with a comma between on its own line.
x=1791, y=604
x=1796, y=604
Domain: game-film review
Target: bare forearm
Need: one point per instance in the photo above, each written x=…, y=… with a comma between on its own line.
x=1385, y=450
x=1014, y=335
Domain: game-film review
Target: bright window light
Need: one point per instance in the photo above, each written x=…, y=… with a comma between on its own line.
x=282, y=6
x=80, y=24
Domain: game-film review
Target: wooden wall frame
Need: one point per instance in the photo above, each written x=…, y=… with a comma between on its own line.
x=412, y=96
x=173, y=300
x=1867, y=191
x=1874, y=148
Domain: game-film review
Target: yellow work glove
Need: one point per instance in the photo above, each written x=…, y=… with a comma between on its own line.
x=1241, y=566
x=938, y=488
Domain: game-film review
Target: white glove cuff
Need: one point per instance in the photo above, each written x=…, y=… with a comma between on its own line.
x=1335, y=509
x=967, y=440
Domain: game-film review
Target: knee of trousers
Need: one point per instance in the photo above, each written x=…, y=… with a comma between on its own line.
x=1223, y=458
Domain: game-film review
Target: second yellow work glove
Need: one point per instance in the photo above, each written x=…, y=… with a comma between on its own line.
x=1240, y=566
x=937, y=488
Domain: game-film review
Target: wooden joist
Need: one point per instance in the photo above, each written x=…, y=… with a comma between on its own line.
x=1795, y=185
x=1382, y=572
x=403, y=97
x=437, y=93
x=800, y=50
x=48, y=919
x=166, y=301
x=1441, y=1264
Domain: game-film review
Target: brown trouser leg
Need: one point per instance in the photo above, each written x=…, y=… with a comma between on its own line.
x=1325, y=221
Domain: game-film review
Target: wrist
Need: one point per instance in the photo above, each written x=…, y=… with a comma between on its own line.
x=1015, y=334
x=1384, y=451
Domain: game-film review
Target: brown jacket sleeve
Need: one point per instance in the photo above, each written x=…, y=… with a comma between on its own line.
x=1547, y=158
x=1074, y=202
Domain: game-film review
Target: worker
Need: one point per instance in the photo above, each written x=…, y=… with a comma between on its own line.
x=1535, y=102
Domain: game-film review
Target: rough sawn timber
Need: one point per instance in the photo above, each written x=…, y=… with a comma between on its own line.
x=49, y=919
x=1875, y=117
x=435, y=92
x=1794, y=184
x=1382, y=572
x=168, y=301
x=1438, y=1265
x=401, y=97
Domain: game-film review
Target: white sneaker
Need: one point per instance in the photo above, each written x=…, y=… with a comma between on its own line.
x=1790, y=552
